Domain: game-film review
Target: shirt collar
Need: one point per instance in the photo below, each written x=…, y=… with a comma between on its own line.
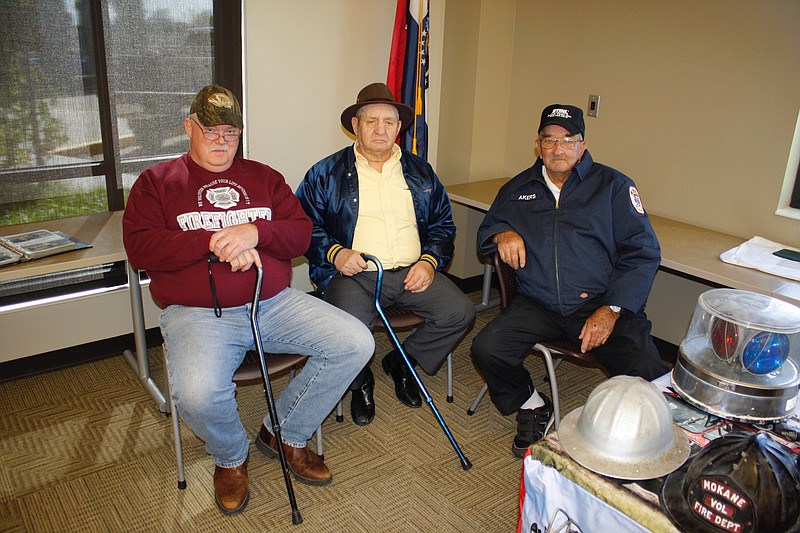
x=581, y=167
x=396, y=154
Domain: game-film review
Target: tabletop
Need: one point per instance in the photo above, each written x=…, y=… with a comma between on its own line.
x=102, y=230
x=685, y=248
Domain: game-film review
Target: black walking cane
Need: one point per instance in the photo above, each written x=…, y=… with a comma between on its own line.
x=465, y=464
x=273, y=413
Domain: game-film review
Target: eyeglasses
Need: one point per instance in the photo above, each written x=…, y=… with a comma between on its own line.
x=566, y=142
x=212, y=135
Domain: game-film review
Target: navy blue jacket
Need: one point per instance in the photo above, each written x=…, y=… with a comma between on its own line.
x=329, y=195
x=598, y=241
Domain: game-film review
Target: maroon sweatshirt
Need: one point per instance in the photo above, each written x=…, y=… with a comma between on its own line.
x=174, y=208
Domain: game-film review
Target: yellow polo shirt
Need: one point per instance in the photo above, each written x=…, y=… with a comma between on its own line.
x=386, y=225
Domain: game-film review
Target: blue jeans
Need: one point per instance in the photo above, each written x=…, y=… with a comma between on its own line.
x=204, y=351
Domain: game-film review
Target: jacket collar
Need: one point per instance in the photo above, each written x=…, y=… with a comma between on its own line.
x=581, y=169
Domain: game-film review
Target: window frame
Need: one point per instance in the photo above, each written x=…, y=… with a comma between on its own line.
x=789, y=200
x=226, y=71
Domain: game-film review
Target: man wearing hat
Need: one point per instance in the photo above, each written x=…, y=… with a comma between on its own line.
x=585, y=256
x=374, y=197
x=210, y=202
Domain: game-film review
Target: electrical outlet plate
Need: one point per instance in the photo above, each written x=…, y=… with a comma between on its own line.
x=594, y=105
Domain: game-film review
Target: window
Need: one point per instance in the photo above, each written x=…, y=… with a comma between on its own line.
x=795, y=202
x=94, y=92
x=789, y=202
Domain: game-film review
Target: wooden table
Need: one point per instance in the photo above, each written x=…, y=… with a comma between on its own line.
x=479, y=195
x=104, y=232
x=686, y=249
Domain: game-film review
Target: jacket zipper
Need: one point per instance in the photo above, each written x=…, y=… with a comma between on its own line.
x=555, y=255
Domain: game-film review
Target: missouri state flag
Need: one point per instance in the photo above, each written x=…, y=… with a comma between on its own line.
x=408, y=69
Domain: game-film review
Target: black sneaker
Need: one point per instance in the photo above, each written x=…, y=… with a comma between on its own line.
x=532, y=425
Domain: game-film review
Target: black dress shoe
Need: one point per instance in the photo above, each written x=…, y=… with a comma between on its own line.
x=405, y=388
x=362, y=406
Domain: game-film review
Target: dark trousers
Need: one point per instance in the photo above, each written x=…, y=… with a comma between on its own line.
x=499, y=349
x=447, y=311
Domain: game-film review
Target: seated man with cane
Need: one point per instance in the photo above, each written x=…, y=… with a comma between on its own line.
x=209, y=201
x=584, y=254
x=373, y=197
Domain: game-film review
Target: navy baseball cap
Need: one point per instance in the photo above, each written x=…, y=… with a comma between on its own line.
x=568, y=117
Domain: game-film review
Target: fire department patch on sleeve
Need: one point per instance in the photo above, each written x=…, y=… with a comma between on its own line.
x=636, y=201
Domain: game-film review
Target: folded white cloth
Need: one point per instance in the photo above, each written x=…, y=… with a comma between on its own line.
x=757, y=253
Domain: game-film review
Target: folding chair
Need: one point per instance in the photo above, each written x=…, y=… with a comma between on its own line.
x=549, y=349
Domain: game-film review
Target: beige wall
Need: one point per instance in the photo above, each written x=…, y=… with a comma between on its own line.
x=305, y=61
x=687, y=90
x=476, y=78
x=698, y=99
x=699, y=102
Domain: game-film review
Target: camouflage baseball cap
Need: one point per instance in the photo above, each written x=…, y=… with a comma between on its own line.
x=216, y=105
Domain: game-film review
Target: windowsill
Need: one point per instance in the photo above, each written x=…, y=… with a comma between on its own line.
x=788, y=212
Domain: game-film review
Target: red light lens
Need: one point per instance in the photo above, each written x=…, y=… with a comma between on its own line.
x=724, y=339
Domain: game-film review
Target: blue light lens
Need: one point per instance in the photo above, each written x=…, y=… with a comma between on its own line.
x=765, y=352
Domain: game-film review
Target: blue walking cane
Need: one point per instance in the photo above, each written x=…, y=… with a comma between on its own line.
x=465, y=464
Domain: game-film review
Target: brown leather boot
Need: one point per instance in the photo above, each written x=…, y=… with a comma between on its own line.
x=231, y=488
x=306, y=465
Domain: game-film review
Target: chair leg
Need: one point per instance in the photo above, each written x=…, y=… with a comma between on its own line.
x=176, y=431
x=339, y=412
x=167, y=391
x=551, y=373
x=555, y=367
x=450, y=377
x=551, y=377
x=320, y=450
x=477, y=400
x=176, y=434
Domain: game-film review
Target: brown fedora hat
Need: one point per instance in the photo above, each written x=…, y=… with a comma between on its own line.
x=376, y=93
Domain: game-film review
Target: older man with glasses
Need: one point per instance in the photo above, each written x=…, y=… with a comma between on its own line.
x=585, y=256
x=209, y=201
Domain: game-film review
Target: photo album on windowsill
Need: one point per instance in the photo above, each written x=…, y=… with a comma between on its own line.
x=36, y=244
